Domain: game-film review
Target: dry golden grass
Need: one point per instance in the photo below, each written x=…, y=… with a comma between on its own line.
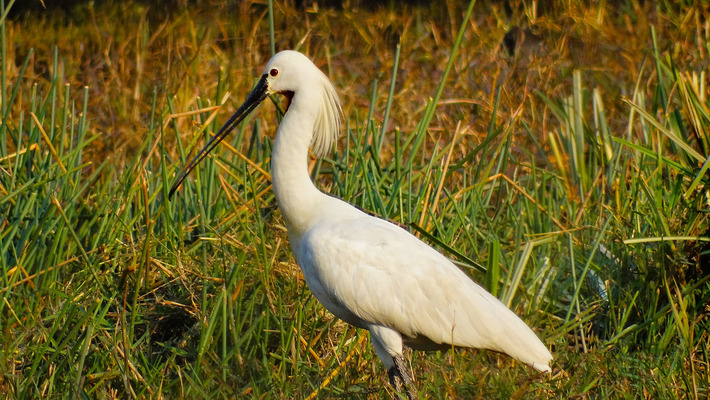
x=123, y=53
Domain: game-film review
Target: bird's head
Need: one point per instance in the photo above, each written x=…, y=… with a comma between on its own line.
x=288, y=73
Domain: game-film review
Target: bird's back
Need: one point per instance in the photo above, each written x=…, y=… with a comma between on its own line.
x=369, y=271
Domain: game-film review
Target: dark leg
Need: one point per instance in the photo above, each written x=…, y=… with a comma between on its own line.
x=401, y=379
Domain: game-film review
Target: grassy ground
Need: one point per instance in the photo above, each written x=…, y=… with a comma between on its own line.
x=568, y=174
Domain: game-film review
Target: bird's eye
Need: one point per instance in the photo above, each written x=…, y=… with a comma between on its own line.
x=274, y=72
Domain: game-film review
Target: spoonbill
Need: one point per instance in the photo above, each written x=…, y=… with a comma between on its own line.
x=369, y=272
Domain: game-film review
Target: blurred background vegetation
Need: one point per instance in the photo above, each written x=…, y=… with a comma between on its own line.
x=563, y=164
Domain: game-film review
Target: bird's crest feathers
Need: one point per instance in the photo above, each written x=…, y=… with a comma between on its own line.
x=327, y=124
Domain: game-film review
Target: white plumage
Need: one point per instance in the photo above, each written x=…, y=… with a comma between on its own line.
x=368, y=272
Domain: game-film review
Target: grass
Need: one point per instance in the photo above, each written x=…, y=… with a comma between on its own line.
x=570, y=178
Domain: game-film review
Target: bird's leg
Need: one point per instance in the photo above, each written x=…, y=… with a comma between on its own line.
x=401, y=378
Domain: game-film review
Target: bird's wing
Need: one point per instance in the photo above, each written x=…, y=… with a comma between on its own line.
x=368, y=269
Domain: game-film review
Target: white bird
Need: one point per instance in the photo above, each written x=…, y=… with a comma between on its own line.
x=368, y=272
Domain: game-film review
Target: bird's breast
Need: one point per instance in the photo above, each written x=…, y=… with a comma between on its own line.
x=319, y=277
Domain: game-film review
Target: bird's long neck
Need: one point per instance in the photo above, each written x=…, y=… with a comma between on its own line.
x=297, y=197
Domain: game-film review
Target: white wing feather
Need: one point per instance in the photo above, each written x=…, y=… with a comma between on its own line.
x=395, y=280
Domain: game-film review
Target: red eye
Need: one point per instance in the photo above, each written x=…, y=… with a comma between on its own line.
x=274, y=72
